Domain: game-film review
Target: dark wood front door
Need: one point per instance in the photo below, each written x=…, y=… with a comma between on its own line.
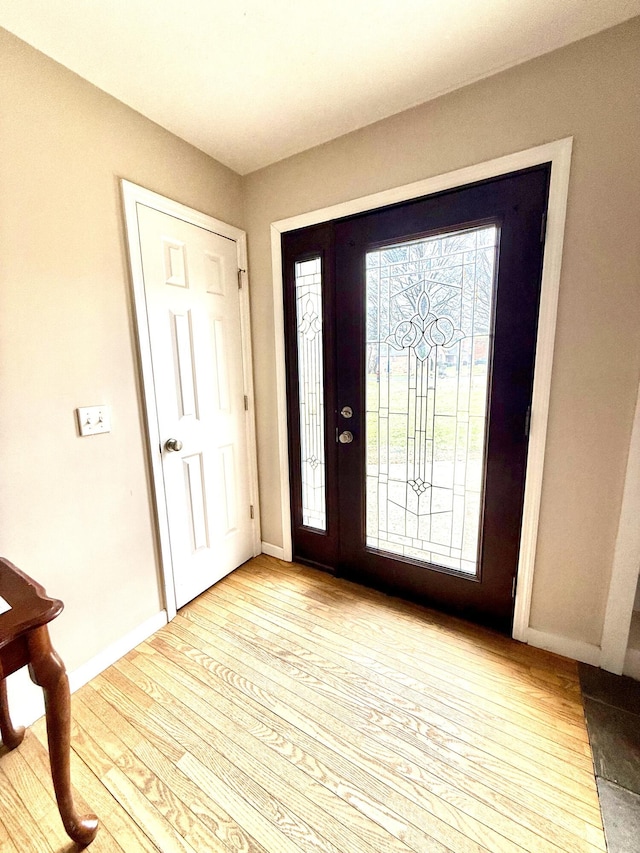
x=411, y=335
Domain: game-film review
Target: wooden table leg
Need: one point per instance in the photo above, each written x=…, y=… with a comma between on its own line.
x=10, y=737
x=48, y=671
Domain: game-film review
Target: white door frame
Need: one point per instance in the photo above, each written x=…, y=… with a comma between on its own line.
x=626, y=563
x=558, y=153
x=132, y=196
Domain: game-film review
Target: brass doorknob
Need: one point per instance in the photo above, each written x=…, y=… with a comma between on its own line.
x=173, y=444
x=345, y=437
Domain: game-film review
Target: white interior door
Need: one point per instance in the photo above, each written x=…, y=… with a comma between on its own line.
x=190, y=278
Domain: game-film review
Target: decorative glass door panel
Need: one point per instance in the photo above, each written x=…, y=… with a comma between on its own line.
x=308, y=278
x=429, y=307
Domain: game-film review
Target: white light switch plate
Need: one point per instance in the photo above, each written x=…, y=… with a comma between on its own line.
x=94, y=419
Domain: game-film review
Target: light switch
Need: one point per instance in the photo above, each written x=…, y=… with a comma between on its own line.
x=94, y=419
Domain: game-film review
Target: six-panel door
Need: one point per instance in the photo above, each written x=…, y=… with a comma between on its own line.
x=190, y=278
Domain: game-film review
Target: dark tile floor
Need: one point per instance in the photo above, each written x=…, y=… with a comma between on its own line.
x=612, y=709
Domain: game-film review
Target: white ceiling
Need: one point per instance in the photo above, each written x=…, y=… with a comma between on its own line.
x=253, y=81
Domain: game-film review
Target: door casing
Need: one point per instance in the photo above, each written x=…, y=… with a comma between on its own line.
x=132, y=195
x=559, y=155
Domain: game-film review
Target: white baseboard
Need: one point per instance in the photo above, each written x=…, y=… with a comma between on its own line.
x=26, y=703
x=565, y=646
x=273, y=550
x=632, y=663
x=81, y=676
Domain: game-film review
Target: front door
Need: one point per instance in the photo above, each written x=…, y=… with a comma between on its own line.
x=427, y=312
x=193, y=312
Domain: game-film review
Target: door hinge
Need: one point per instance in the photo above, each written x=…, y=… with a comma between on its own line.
x=240, y=271
x=513, y=587
x=246, y=403
x=527, y=422
x=543, y=227
x=251, y=510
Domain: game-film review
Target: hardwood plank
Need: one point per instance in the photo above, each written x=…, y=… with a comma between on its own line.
x=38, y=758
x=258, y=738
x=32, y=781
x=494, y=700
x=462, y=783
x=446, y=810
x=124, y=719
x=458, y=631
x=465, y=757
x=21, y=826
x=27, y=784
x=6, y=844
x=543, y=733
x=216, y=732
x=277, y=612
x=478, y=660
x=156, y=777
x=212, y=759
x=285, y=710
x=216, y=822
x=523, y=717
x=149, y=803
x=28, y=769
x=118, y=822
x=456, y=727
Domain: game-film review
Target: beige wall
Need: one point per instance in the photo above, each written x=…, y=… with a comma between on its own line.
x=590, y=91
x=75, y=512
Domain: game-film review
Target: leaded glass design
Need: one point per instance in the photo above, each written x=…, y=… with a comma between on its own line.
x=429, y=326
x=308, y=278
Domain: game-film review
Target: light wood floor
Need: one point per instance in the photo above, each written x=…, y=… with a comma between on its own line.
x=286, y=711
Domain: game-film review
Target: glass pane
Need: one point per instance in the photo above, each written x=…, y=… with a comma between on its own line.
x=429, y=309
x=308, y=277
